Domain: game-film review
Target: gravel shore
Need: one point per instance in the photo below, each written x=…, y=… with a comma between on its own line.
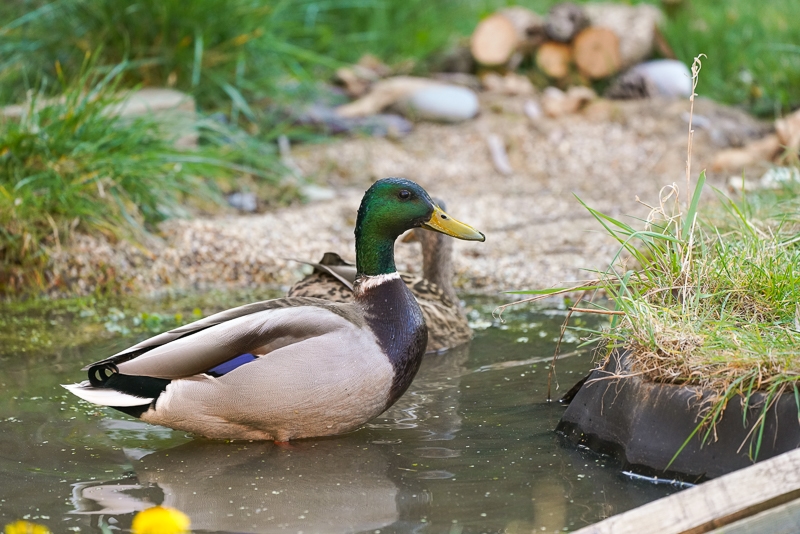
x=537, y=234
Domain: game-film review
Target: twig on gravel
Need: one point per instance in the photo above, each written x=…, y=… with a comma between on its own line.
x=497, y=150
x=285, y=150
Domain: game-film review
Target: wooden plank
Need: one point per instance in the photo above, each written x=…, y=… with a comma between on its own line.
x=715, y=503
x=783, y=519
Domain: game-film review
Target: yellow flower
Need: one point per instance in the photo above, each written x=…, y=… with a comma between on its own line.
x=26, y=527
x=160, y=520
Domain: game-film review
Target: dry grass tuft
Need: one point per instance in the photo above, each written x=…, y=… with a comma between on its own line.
x=708, y=301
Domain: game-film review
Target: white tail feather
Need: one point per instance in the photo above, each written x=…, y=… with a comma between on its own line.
x=105, y=396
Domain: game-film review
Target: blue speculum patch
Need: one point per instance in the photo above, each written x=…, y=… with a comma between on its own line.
x=231, y=364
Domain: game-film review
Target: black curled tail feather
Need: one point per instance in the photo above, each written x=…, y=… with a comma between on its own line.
x=107, y=375
x=100, y=374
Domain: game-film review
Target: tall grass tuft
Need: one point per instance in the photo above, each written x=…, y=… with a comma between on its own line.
x=708, y=301
x=70, y=164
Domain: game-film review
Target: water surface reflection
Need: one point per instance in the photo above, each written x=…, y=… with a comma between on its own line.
x=469, y=448
x=314, y=486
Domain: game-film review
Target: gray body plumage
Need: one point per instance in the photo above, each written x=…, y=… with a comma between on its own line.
x=319, y=370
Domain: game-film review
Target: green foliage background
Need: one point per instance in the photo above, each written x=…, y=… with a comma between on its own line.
x=68, y=165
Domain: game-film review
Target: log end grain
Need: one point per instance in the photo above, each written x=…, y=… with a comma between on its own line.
x=596, y=52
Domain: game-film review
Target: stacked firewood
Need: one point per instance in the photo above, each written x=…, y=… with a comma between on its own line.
x=581, y=42
x=568, y=49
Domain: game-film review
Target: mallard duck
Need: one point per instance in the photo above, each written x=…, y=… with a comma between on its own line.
x=333, y=280
x=289, y=368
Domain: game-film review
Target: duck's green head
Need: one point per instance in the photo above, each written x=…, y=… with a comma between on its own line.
x=389, y=208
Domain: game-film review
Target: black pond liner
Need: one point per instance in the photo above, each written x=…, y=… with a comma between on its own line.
x=643, y=424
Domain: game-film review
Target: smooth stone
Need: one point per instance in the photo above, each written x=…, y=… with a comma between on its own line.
x=441, y=103
x=314, y=193
x=670, y=77
x=644, y=424
x=174, y=110
x=242, y=201
x=778, y=177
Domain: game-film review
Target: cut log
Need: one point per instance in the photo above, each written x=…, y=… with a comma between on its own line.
x=597, y=52
x=502, y=35
x=564, y=21
x=529, y=26
x=494, y=41
x=554, y=59
x=635, y=26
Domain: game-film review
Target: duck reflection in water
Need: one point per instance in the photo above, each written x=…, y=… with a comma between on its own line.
x=351, y=483
x=317, y=486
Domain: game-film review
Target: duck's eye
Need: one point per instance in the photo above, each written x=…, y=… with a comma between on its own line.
x=404, y=194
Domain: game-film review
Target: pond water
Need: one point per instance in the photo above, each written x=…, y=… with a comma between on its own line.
x=469, y=448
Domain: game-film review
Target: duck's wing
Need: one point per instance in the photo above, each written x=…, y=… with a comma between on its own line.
x=425, y=290
x=132, y=379
x=333, y=264
x=255, y=329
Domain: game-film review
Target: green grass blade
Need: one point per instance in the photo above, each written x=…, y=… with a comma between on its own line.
x=688, y=222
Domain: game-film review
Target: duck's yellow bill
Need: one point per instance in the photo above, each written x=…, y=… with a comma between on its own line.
x=442, y=222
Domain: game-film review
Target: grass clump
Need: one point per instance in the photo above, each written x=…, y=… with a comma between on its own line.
x=72, y=164
x=713, y=305
x=714, y=302
x=708, y=300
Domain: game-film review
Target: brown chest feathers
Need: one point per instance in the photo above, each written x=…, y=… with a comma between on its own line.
x=447, y=324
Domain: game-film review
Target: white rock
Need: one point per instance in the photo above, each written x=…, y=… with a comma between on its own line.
x=155, y=101
x=442, y=103
x=774, y=178
x=174, y=109
x=532, y=110
x=739, y=184
x=243, y=201
x=670, y=77
x=314, y=193
x=778, y=177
